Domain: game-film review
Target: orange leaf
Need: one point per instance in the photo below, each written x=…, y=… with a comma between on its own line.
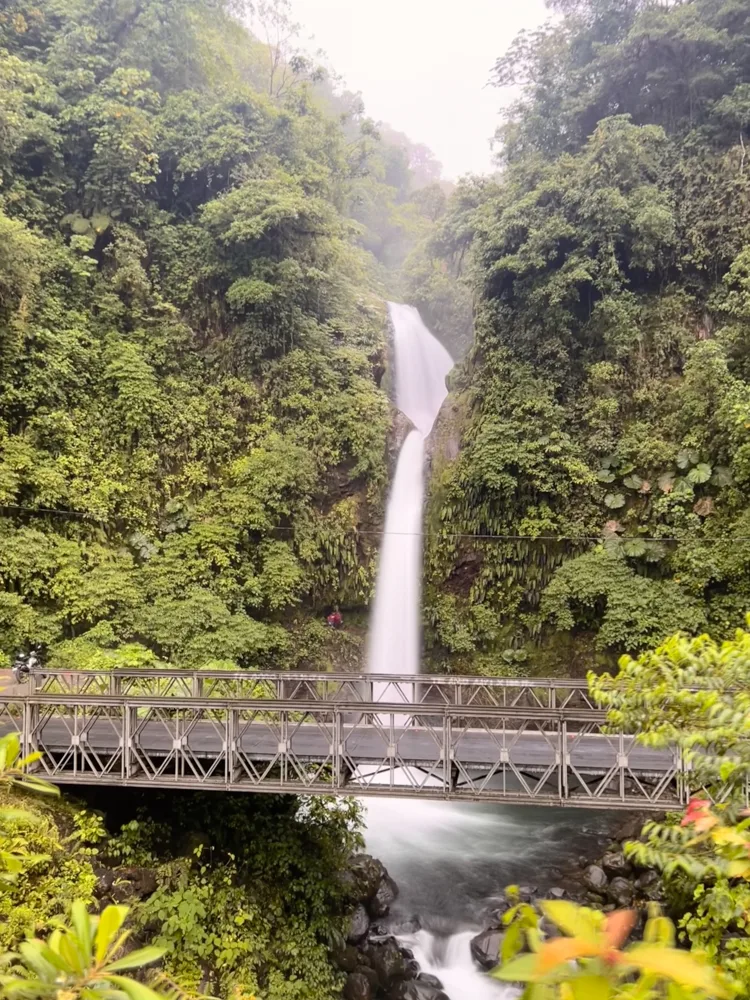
x=617, y=926
x=560, y=950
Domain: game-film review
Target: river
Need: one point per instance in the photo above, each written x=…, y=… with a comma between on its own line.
x=452, y=861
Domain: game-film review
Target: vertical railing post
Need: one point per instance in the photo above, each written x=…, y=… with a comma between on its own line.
x=30, y=715
x=337, y=749
x=229, y=743
x=127, y=729
x=563, y=758
x=447, y=756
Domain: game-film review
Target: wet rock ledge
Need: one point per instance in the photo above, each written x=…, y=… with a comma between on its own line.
x=377, y=966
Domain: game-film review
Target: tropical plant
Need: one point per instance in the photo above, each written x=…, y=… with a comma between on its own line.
x=589, y=958
x=80, y=960
x=14, y=768
x=693, y=694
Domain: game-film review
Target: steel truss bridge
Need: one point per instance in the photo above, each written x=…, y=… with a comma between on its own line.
x=529, y=742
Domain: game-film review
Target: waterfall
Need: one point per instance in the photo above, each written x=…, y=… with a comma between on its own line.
x=421, y=367
x=422, y=364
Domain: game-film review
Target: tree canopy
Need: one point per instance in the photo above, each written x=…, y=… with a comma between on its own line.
x=192, y=338
x=602, y=416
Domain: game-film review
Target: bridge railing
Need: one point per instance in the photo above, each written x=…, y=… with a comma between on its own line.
x=532, y=693
x=549, y=755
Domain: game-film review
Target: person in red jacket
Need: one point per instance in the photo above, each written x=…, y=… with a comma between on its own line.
x=335, y=619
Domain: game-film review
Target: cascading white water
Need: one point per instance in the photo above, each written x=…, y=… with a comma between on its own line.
x=421, y=365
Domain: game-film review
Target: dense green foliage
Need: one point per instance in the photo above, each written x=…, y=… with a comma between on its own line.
x=249, y=894
x=242, y=895
x=191, y=343
x=694, y=695
x=608, y=392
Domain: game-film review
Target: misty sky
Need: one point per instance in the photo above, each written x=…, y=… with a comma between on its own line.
x=422, y=65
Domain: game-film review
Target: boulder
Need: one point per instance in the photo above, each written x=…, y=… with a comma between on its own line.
x=620, y=891
x=388, y=962
x=371, y=976
x=133, y=883
x=357, y=987
x=427, y=980
x=381, y=902
x=359, y=924
x=595, y=879
x=363, y=877
x=416, y=990
x=646, y=879
x=105, y=879
x=556, y=893
x=485, y=948
x=616, y=864
x=346, y=958
x=649, y=885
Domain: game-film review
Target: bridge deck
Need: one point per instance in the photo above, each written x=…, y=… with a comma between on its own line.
x=518, y=741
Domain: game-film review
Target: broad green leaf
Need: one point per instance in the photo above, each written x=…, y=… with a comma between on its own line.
x=634, y=547
x=700, y=474
x=632, y=482
x=109, y=924
x=682, y=967
x=659, y=930
x=512, y=942
x=70, y=950
x=133, y=989
x=590, y=987
x=614, y=500
x=521, y=970
x=81, y=920
x=686, y=458
x=142, y=956
x=575, y=921
x=722, y=476
x=739, y=869
x=33, y=956
x=605, y=476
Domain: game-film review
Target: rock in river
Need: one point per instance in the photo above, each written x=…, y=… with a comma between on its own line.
x=485, y=948
x=388, y=962
x=595, y=879
x=416, y=990
x=359, y=925
x=357, y=987
x=615, y=863
x=381, y=902
x=620, y=891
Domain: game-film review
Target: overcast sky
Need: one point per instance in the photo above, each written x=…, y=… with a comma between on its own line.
x=422, y=65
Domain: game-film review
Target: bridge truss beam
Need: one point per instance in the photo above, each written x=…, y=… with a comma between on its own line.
x=435, y=747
